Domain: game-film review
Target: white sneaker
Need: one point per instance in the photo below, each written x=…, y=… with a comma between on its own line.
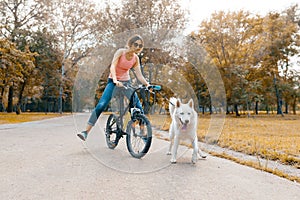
x=82, y=135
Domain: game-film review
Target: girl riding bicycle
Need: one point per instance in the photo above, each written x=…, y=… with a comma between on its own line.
x=124, y=59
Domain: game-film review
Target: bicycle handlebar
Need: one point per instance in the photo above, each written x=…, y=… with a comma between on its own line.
x=154, y=87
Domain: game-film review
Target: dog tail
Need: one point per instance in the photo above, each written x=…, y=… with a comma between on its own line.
x=172, y=104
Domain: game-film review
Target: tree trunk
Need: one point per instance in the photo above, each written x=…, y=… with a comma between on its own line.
x=267, y=109
x=2, y=108
x=279, y=107
x=236, y=110
x=10, y=99
x=279, y=101
x=294, y=105
x=18, y=110
x=227, y=110
x=286, y=108
x=256, y=107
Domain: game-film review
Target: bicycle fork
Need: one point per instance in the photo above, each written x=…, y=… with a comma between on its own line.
x=120, y=131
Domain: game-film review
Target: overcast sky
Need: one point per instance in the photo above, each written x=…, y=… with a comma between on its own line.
x=201, y=10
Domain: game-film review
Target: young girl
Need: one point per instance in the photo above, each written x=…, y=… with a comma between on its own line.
x=124, y=59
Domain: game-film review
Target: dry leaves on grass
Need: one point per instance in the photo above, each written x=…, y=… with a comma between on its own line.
x=12, y=118
x=269, y=136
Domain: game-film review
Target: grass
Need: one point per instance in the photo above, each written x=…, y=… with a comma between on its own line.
x=12, y=118
x=258, y=166
x=271, y=137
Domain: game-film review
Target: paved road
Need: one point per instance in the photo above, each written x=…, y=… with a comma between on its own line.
x=45, y=160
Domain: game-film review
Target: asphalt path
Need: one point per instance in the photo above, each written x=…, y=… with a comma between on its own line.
x=45, y=160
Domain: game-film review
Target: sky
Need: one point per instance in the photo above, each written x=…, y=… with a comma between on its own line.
x=201, y=10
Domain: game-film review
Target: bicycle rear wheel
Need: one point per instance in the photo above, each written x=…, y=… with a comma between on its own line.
x=139, y=136
x=112, y=131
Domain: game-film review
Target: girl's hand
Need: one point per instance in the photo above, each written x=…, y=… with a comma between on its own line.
x=148, y=86
x=119, y=84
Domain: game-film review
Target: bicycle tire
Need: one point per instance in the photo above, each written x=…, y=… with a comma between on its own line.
x=139, y=144
x=112, y=131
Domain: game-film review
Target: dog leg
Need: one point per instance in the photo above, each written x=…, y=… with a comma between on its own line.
x=195, y=150
x=170, y=147
x=175, y=147
x=171, y=136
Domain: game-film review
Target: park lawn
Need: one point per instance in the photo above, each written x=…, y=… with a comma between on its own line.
x=272, y=137
x=12, y=118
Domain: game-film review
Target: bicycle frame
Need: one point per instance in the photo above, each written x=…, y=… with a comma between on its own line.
x=121, y=102
x=138, y=131
x=123, y=110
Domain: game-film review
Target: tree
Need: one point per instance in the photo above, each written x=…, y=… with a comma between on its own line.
x=228, y=39
x=13, y=63
x=248, y=50
x=154, y=15
x=19, y=15
x=76, y=27
x=155, y=20
x=17, y=18
x=278, y=43
x=46, y=76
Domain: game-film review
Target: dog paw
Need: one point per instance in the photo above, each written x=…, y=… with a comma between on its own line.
x=169, y=153
x=202, y=155
x=173, y=161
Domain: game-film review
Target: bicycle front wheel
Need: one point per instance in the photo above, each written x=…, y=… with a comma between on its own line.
x=139, y=136
x=112, y=131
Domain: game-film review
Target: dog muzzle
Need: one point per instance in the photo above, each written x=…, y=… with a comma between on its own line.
x=184, y=125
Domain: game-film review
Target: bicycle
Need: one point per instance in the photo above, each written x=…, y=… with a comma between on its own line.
x=138, y=131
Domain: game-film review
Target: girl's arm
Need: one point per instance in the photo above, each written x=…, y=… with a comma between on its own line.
x=138, y=72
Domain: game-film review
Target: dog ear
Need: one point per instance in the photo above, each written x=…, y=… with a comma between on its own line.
x=178, y=102
x=191, y=103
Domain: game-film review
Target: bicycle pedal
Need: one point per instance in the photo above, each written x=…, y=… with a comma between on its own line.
x=113, y=144
x=135, y=123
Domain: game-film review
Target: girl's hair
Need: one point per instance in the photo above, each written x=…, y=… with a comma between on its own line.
x=134, y=38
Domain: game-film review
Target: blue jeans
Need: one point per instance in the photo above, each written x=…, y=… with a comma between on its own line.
x=108, y=93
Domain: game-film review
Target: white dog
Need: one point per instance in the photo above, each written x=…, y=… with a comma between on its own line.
x=183, y=126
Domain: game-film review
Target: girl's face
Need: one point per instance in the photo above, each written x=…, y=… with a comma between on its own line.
x=137, y=46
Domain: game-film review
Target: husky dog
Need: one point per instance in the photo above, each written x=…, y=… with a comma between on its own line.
x=183, y=126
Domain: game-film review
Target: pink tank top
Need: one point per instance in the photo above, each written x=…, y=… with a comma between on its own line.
x=123, y=67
